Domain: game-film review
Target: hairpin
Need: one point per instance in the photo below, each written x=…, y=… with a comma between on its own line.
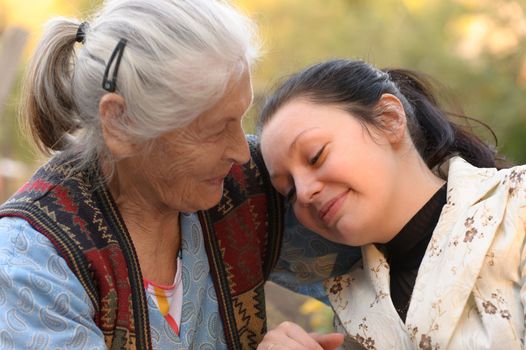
x=111, y=85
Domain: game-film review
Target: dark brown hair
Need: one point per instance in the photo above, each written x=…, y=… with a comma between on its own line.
x=357, y=87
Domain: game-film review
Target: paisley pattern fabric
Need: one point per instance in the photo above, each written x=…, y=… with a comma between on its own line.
x=43, y=305
x=470, y=291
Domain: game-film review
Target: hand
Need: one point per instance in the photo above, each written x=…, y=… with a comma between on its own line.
x=290, y=336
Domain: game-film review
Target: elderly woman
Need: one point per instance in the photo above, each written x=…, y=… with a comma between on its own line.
x=145, y=230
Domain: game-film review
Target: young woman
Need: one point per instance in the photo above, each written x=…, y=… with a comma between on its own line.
x=368, y=158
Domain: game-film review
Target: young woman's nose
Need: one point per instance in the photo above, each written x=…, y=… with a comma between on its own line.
x=307, y=188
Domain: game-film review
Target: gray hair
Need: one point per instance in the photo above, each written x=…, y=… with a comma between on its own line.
x=179, y=57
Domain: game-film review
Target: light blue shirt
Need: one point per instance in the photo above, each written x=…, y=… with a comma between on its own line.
x=44, y=306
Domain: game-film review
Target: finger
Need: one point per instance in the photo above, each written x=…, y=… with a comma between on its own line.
x=284, y=343
x=329, y=341
x=299, y=335
x=289, y=335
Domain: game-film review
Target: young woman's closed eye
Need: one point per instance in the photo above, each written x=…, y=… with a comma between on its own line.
x=315, y=160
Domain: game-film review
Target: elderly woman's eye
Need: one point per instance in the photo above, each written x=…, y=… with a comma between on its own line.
x=217, y=132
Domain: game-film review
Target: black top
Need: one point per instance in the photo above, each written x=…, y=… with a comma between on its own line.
x=405, y=251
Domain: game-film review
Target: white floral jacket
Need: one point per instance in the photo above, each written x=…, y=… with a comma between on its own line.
x=470, y=289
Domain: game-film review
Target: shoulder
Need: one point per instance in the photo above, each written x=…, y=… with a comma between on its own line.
x=458, y=168
x=466, y=180
x=52, y=179
x=21, y=244
x=28, y=257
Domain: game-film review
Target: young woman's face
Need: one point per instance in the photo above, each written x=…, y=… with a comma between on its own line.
x=339, y=175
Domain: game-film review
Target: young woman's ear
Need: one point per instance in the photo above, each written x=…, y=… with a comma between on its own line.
x=392, y=118
x=111, y=108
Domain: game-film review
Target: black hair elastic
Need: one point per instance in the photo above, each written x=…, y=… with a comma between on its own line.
x=81, y=32
x=111, y=85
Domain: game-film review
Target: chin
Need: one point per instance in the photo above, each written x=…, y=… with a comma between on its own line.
x=207, y=200
x=207, y=206
x=351, y=233
x=210, y=202
x=355, y=243
x=350, y=242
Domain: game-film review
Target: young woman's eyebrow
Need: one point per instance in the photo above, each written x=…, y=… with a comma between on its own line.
x=294, y=142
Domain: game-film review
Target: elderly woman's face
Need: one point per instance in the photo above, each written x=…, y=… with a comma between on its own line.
x=186, y=167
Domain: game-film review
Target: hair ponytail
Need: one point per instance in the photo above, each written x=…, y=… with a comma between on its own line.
x=48, y=108
x=435, y=135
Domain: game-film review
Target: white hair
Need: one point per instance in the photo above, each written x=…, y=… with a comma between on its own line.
x=179, y=57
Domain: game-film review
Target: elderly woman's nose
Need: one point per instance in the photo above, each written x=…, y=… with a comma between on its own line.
x=238, y=150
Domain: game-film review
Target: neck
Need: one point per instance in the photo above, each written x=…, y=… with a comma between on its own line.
x=154, y=229
x=416, y=185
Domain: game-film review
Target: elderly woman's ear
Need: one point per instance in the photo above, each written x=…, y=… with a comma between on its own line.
x=112, y=107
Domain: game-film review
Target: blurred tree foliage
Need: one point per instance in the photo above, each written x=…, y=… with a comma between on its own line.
x=477, y=48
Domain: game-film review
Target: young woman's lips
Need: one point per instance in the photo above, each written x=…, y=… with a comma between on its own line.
x=330, y=209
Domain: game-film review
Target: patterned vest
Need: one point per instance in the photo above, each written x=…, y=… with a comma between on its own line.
x=242, y=238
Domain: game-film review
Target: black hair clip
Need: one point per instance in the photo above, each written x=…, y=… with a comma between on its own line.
x=111, y=85
x=81, y=32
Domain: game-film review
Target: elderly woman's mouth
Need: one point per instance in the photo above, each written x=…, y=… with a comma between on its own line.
x=216, y=181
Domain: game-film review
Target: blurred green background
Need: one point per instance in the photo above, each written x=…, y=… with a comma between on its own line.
x=476, y=48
